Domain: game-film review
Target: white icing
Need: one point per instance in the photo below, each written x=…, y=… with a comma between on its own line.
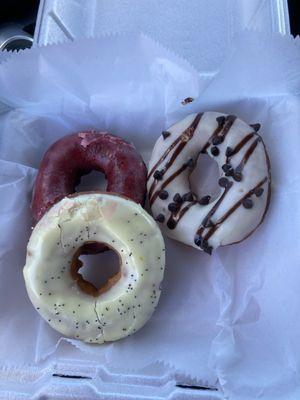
x=104, y=218
x=242, y=221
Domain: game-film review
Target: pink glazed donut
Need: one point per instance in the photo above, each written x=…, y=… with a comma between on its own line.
x=75, y=155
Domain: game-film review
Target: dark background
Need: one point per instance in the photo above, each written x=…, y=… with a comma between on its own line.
x=294, y=16
x=25, y=11
x=21, y=11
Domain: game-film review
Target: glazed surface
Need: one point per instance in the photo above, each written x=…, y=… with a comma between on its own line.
x=129, y=301
x=244, y=178
x=78, y=154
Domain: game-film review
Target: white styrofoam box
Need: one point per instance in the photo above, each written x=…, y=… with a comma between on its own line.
x=70, y=374
x=198, y=30
x=67, y=379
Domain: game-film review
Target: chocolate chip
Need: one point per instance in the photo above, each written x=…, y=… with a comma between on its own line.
x=171, y=224
x=160, y=218
x=177, y=198
x=215, y=151
x=191, y=163
x=223, y=182
x=247, y=203
x=204, y=200
x=256, y=127
x=198, y=240
x=220, y=120
x=163, y=194
x=258, y=191
x=229, y=152
x=158, y=175
x=165, y=134
x=226, y=167
x=188, y=196
x=173, y=207
x=208, y=249
x=203, y=244
x=229, y=172
x=237, y=176
x=217, y=140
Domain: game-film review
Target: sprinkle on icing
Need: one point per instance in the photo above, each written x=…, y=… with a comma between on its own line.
x=129, y=302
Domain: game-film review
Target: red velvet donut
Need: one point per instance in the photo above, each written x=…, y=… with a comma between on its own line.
x=75, y=155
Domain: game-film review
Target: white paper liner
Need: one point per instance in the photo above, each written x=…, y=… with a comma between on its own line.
x=231, y=317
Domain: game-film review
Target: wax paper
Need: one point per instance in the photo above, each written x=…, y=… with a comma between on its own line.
x=229, y=319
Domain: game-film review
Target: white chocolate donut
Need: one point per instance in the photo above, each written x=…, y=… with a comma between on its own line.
x=74, y=307
x=244, y=178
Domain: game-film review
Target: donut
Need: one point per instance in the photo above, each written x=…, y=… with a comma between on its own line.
x=78, y=154
x=75, y=307
x=203, y=222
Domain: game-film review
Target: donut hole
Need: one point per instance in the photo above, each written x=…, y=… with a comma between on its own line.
x=204, y=178
x=95, y=180
x=96, y=273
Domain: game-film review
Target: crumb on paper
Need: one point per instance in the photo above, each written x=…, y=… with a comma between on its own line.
x=187, y=101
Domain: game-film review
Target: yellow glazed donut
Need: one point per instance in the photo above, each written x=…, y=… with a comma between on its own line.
x=75, y=307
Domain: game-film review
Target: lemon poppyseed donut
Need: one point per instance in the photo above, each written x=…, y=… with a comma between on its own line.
x=75, y=307
x=78, y=154
x=245, y=180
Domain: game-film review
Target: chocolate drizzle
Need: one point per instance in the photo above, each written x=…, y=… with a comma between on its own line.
x=208, y=216
x=224, y=125
x=245, y=200
x=153, y=195
x=247, y=155
x=176, y=217
x=186, y=135
x=239, y=146
x=237, y=173
x=233, y=208
x=215, y=136
x=178, y=145
x=179, y=207
x=218, y=136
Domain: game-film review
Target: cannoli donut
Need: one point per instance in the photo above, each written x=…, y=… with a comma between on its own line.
x=244, y=179
x=75, y=307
